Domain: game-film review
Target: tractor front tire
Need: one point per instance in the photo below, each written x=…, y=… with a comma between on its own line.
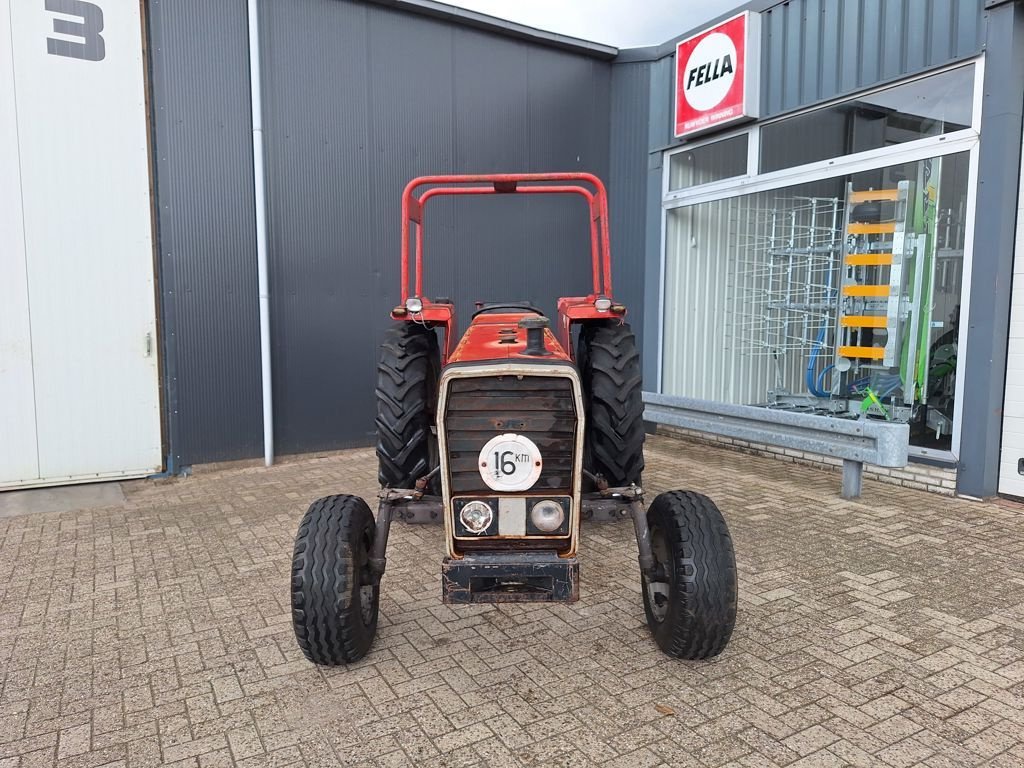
x=406, y=398
x=335, y=598
x=609, y=365
x=691, y=608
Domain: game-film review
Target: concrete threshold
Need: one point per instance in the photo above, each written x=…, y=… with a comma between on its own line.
x=66, y=498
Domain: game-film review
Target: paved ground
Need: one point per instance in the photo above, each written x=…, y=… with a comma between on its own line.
x=885, y=632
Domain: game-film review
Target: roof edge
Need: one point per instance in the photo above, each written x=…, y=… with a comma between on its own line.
x=668, y=48
x=501, y=26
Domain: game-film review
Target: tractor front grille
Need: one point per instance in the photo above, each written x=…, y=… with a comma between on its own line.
x=538, y=407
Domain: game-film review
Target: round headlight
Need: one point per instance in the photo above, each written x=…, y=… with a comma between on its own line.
x=603, y=304
x=477, y=516
x=414, y=304
x=547, y=515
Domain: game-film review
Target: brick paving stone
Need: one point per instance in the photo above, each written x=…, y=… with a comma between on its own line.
x=887, y=631
x=74, y=741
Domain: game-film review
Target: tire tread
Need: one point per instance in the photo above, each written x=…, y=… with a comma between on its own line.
x=609, y=364
x=406, y=388
x=702, y=615
x=327, y=620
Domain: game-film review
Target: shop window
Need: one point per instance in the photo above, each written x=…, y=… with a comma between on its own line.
x=931, y=106
x=804, y=298
x=710, y=162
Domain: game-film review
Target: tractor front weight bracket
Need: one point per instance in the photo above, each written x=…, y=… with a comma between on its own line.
x=412, y=505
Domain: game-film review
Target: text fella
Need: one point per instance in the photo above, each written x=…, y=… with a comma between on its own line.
x=713, y=70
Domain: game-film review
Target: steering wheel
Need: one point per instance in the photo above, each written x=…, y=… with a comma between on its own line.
x=524, y=307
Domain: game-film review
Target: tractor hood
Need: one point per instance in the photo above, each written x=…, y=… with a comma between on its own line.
x=498, y=337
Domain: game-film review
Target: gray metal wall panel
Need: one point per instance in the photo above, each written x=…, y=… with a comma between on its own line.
x=207, y=267
x=871, y=43
x=793, y=46
x=316, y=130
x=774, y=35
x=847, y=22
x=641, y=107
x=969, y=27
x=916, y=52
x=819, y=49
x=940, y=31
x=893, y=33
x=828, y=50
x=662, y=81
x=627, y=180
x=812, y=51
x=358, y=99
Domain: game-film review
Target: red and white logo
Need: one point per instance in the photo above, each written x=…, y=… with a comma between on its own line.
x=716, y=76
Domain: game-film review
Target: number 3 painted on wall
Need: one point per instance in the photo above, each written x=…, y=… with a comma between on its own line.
x=88, y=29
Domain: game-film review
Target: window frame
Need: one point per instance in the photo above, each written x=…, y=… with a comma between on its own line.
x=752, y=132
x=711, y=190
x=966, y=140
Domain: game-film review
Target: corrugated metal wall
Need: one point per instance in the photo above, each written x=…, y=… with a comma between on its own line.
x=814, y=50
x=358, y=99
x=199, y=70
x=638, y=115
x=630, y=99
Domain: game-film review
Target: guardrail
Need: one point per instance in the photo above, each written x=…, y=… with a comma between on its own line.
x=856, y=441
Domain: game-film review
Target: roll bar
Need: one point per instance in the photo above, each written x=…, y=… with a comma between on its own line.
x=509, y=183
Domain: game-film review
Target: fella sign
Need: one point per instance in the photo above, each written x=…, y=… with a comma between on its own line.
x=717, y=75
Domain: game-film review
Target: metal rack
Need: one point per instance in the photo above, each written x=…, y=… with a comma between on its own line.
x=784, y=277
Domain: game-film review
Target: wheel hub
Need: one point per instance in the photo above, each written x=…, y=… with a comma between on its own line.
x=366, y=595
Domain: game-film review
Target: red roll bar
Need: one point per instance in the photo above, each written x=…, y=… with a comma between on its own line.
x=508, y=183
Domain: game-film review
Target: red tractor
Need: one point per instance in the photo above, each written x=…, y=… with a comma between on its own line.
x=511, y=437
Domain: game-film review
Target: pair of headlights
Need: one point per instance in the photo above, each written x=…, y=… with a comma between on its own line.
x=546, y=515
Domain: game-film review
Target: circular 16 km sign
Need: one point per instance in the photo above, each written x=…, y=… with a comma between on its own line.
x=714, y=84
x=510, y=462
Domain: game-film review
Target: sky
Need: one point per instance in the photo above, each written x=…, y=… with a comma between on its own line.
x=622, y=23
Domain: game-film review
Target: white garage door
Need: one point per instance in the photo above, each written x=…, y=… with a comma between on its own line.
x=79, y=386
x=1011, y=466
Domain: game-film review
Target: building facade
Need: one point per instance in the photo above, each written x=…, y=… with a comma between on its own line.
x=814, y=206
x=846, y=248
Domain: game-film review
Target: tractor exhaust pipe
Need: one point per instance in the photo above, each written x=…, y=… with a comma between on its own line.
x=535, y=327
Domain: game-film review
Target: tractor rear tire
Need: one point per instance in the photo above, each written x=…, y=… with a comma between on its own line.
x=335, y=599
x=609, y=365
x=406, y=399
x=692, y=611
